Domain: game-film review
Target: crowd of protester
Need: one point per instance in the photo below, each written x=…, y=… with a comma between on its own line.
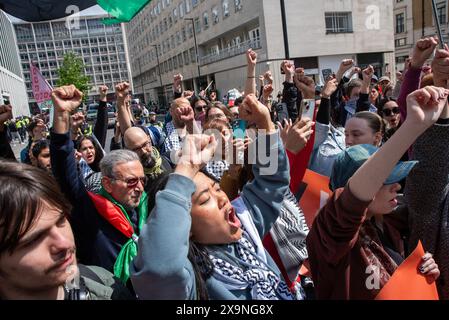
x=189, y=209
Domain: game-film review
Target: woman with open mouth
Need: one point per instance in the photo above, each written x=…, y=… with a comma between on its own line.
x=199, y=245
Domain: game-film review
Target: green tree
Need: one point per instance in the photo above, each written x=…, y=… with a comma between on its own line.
x=72, y=72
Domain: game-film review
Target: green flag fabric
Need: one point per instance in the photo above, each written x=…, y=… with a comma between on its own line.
x=121, y=11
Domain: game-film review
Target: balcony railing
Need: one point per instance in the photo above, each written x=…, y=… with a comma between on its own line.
x=231, y=51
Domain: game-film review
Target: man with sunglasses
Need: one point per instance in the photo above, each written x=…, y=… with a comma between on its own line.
x=106, y=225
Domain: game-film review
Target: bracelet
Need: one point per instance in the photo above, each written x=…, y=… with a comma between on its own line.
x=252, y=77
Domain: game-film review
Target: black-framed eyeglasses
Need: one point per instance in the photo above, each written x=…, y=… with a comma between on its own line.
x=132, y=182
x=147, y=144
x=389, y=112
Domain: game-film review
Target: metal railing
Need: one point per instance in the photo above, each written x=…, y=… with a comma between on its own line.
x=231, y=51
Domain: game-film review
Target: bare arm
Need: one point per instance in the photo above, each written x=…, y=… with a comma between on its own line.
x=250, y=85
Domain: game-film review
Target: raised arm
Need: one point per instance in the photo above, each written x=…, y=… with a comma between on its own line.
x=250, y=84
x=424, y=108
x=363, y=103
x=339, y=222
x=101, y=124
x=162, y=269
x=177, y=86
x=264, y=195
x=123, y=114
x=65, y=100
x=422, y=51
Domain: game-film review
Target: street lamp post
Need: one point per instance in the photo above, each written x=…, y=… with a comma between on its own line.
x=159, y=69
x=196, y=48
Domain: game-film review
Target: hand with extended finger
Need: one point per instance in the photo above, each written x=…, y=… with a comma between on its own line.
x=196, y=151
x=66, y=98
x=254, y=111
x=284, y=129
x=424, y=106
x=298, y=135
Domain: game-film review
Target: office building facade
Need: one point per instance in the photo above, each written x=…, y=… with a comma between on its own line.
x=101, y=47
x=12, y=86
x=165, y=36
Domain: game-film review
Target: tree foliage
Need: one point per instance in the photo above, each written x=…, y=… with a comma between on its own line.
x=72, y=72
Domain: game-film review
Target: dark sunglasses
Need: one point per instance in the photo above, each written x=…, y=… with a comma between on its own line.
x=132, y=182
x=389, y=112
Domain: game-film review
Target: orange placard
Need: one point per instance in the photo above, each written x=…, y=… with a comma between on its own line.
x=315, y=195
x=407, y=283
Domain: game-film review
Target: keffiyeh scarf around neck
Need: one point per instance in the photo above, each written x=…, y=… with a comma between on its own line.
x=250, y=273
x=156, y=170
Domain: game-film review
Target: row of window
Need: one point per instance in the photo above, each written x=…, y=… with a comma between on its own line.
x=44, y=31
x=166, y=23
x=441, y=13
x=51, y=55
x=100, y=41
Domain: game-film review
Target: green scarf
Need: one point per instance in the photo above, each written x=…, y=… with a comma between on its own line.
x=156, y=170
x=129, y=249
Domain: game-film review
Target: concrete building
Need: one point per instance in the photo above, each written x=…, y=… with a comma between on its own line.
x=12, y=86
x=319, y=36
x=414, y=20
x=102, y=48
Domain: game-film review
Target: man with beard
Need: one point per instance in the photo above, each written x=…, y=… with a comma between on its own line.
x=40, y=155
x=37, y=247
x=106, y=225
x=154, y=164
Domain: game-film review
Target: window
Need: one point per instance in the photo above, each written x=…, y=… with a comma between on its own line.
x=401, y=59
x=400, y=25
x=206, y=20
x=338, y=22
x=186, y=57
x=215, y=18
x=197, y=25
x=400, y=42
x=192, y=55
x=225, y=5
x=194, y=3
x=254, y=36
x=441, y=11
x=175, y=14
x=180, y=62
x=238, y=5
x=181, y=9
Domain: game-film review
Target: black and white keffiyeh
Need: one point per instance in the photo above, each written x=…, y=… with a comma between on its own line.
x=172, y=140
x=248, y=268
x=217, y=168
x=251, y=273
